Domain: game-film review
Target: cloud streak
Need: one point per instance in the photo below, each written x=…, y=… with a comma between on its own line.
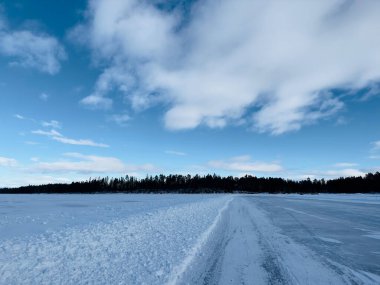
x=347, y=172
x=375, y=150
x=57, y=136
x=80, y=163
x=376, y=146
x=345, y=164
x=7, y=162
x=175, y=152
x=245, y=164
x=51, y=124
x=120, y=119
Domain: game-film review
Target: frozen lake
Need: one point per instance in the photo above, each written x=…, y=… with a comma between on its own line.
x=344, y=230
x=189, y=239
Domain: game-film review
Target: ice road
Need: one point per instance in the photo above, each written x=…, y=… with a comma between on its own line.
x=189, y=239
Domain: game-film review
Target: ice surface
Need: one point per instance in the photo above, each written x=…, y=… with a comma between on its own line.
x=375, y=235
x=141, y=245
x=329, y=240
x=189, y=239
x=349, y=198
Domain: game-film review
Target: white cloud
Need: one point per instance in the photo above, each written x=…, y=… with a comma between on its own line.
x=376, y=145
x=31, y=49
x=269, y=62
x=345, y=164
x=51, y=133
x=343, y=173
x=326, y=173
x=120, y=119
x=372, y=91
x=51, y=124
x=175, y=152
x=375, y=150
x=374, y=157
x=7, y=162
x=85, y=142
x=97, y=102
x=244, y=164
x=55, y=135
x=22, y=179
x=48, y=124
x=18, y=116
x=90, y=164
x=22, y=117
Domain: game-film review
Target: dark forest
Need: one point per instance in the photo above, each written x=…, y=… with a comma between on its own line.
x=370, y=183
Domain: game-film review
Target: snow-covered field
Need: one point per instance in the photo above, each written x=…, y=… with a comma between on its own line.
x=189, y=239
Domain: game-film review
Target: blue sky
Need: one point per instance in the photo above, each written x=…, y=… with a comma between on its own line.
x=115, y=87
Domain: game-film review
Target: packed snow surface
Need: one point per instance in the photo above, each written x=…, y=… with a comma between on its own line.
x=189, y=239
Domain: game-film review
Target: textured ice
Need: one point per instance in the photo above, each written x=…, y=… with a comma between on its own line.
x=189, y=239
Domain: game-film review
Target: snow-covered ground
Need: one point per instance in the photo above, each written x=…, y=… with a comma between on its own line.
x=189, y=239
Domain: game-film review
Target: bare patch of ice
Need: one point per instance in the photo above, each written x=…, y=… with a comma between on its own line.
x=330, y=240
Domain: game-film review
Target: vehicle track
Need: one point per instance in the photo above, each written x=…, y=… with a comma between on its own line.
x=247, y=249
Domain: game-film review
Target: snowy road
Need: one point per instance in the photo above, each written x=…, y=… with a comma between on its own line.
x=189, y=239
x=344, y=231
x=289, y=240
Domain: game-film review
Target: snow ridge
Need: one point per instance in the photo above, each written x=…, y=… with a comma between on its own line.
x=181, y=268
x=141, y=249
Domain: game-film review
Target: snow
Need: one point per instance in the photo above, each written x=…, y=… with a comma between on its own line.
x=180, y=270
x=189, y=239
x=35, y=214
x=139, y=248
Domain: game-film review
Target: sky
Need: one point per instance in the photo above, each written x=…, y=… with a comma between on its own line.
x=93, y=88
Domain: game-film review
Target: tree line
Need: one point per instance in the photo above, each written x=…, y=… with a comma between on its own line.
x=177, y=183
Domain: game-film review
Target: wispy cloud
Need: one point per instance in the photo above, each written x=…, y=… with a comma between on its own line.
x=338, y=171
x=84, y=142
x=7, y=162
x=214, y=69
x=345, y=164
x=31, y=49
x=375, y=150
x=22, y=117
x=18, y=116
x=35, y=179
x=51, y=124
x=81, y=163
x=175, y=152
x=376, y=146
x=51, y=133
x=245, y=164
x=97, y=102
x=47, y=124
x=120, y=119
x=342, y=173
x=372, y=91
x=57, y=136
x=374, y=156
x=44, y=96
